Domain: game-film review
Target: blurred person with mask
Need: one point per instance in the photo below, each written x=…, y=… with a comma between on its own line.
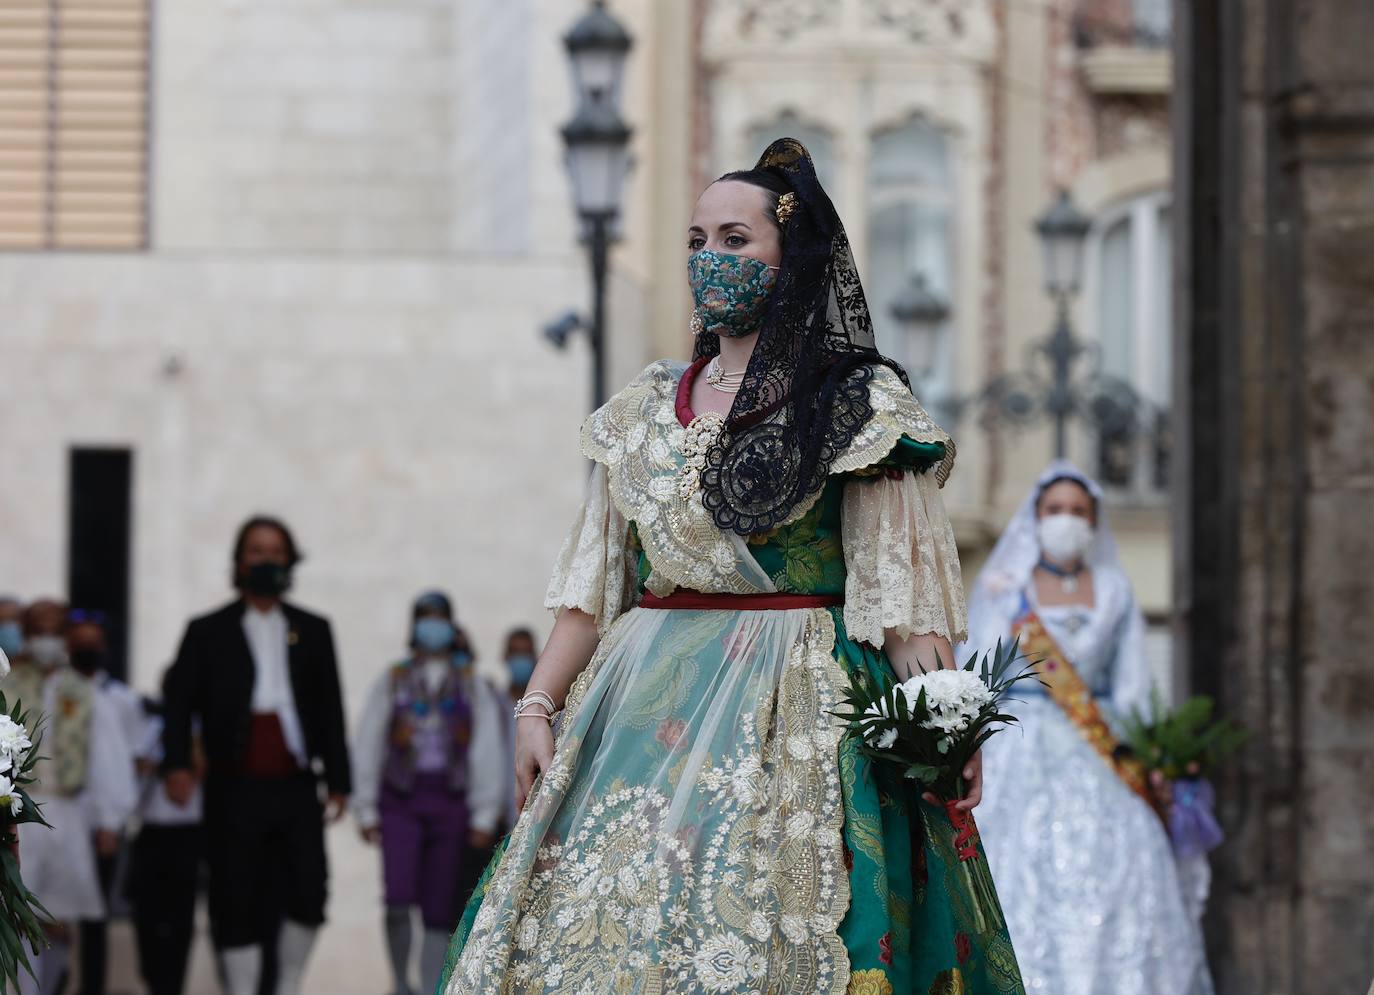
x=11, y=627
x=92, y=659
x=505, y=692
x=260, y=677
x=521, y=656
x=166, y=865
x=88, y=653
x=87, y=789
x=431, y=783
x=44, y=650
x=1090, y=885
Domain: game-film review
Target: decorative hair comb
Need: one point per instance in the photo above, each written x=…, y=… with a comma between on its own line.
x=787, y=203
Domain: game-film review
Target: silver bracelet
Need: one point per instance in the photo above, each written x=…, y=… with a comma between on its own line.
x=533, y=698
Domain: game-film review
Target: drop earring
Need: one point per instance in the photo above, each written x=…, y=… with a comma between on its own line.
x=697, y=325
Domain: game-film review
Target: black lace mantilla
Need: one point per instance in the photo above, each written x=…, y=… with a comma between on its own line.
x=805, y=391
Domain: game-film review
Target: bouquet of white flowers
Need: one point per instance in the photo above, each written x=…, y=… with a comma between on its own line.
x=21, y=914
x=930, y=726
x=933, y=723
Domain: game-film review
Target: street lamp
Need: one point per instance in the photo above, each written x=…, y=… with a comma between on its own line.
x=920, y=313
x=1107, y=403
x=1063, y=230
x=598, y=155
x=597, y=47
x=598, y=158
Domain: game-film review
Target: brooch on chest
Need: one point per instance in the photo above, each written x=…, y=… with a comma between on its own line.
x=698, y=437
x=1075, y=623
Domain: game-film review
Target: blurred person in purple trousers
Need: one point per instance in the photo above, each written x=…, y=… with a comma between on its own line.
x=431, y=783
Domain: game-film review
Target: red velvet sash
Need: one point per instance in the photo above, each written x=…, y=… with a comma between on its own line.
x=267, y=754
x=741, y=602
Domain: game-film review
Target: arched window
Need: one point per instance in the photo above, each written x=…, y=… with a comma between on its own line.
x=1130, y=306
x=910, y=232
x=817, y=141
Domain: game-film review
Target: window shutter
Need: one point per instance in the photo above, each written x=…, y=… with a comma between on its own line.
x=73, y=124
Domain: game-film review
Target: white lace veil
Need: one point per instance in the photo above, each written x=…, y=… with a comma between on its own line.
x=1013, y=559
x=1008, y=571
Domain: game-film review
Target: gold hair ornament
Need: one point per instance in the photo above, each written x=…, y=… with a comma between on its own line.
x=787, y=203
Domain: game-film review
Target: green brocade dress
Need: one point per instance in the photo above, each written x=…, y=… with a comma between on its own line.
x=705, y=826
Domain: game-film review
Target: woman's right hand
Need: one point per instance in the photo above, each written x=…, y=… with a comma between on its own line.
x=533, y=753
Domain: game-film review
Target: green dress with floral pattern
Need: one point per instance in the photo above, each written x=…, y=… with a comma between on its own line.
x=705, y=827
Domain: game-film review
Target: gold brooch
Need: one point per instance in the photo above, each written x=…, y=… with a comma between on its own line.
x=787, y=203
x=698, y=437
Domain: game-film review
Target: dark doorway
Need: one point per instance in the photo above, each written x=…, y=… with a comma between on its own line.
x=100, y=516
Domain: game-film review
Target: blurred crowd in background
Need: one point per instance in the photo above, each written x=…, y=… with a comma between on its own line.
x=432, y=757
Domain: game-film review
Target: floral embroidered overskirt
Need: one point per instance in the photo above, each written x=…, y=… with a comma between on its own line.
x=704, y=829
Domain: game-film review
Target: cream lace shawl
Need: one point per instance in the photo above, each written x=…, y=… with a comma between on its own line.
x=900, y=554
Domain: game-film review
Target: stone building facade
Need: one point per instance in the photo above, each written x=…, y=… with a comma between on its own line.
x=1276, y=477
x=942, y=131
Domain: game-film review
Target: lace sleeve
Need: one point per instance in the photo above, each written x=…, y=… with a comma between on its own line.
x=901, y=561
x=597, y=571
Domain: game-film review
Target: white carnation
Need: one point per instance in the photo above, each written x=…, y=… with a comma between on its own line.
x=9, y=796
x=14, y=739
x=953, y=697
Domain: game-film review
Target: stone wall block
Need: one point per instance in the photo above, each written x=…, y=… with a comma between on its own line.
x=1338, y=263
x=1337, y=935
x=1340, y=418
x=1325, y=52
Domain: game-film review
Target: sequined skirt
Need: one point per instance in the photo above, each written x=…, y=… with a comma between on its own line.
x=1087, y=876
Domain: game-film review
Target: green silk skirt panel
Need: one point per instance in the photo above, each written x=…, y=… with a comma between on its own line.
x=914, y=924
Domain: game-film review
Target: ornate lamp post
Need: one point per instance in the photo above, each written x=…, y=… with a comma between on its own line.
x=1063, y=230
x=920, y=313
x=1047, y=387
x=597, y=47
x=598, y=156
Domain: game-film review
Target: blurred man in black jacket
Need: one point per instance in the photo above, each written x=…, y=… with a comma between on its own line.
x=260, y=677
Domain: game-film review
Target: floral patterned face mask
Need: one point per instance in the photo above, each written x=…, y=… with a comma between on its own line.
x=731, y=292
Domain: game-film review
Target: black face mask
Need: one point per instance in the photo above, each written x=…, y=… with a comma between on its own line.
x=266, y=579
x=87, y=661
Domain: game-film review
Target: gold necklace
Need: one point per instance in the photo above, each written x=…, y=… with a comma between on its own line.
x=726, y=383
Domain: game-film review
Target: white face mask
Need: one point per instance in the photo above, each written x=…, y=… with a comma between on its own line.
x=1064, y=537
x=47, y=651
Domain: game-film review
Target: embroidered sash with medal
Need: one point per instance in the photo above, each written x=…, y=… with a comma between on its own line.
x=1067, y=689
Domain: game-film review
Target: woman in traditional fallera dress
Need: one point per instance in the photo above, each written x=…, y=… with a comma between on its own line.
x=1089, y=880
x=758, y=525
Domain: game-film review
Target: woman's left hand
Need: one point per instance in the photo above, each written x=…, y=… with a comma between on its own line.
x=1162, y=789
x=973, y=792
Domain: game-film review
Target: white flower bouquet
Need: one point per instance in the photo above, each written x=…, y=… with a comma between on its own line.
x=929, y=727
x=21, y=914
x=933, y=723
